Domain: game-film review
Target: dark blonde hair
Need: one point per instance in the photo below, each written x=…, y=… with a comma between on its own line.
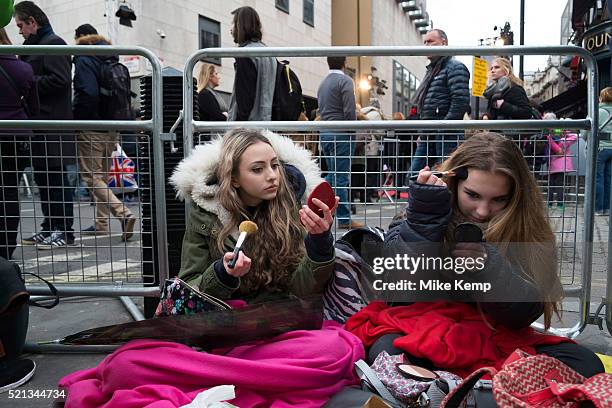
x=206, y=71
x=246, y=25
x=507, y=66
x=278, y=246
x=523, y=221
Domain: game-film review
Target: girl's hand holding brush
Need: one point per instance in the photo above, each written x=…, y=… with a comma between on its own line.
x=427, y=176
x=237, y=263
x=242, y=265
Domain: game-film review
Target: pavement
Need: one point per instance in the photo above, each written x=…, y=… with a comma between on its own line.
x=107, y=259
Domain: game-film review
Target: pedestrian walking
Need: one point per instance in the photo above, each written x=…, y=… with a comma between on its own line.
x=95, y=148
x=51, y=152
x=336, y=98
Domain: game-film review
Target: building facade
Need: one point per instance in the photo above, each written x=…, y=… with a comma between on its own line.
x=174, y=29
x=548, y=83
x=591, y=29
x=387, y=81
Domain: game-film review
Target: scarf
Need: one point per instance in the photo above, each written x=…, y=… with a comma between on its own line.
x=497, y=88
x=433, y=69
x=42, y=32
x=219, y=99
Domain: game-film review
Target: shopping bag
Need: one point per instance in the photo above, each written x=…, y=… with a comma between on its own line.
x=122, y=172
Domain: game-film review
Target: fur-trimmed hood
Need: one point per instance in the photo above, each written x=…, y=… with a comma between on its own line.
x=93, y=39
x=192, y=175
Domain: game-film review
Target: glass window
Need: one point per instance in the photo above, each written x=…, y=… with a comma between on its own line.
x=210, y=36
x=309, y=12
x=283, y=5
x=405, y=84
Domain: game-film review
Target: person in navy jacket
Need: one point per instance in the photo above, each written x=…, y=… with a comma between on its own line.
x=494, y=189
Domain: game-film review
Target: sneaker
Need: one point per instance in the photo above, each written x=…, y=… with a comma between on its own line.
x=130, y=200
x=127, y=227
x=560, y=206
x=36, y=238
x=550, y=205
x=57, y=240
x=17, y=374
x=93, y=231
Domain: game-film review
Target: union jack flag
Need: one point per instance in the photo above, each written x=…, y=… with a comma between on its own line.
x=121, y=174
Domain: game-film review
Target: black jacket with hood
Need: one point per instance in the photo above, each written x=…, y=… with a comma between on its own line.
x=87, y=74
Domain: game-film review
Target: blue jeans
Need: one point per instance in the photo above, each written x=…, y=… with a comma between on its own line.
x=337, y=150
x=437, y=147
x=602, y=180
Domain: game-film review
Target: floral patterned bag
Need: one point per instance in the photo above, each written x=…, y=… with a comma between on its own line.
x=406, y=390
x=179, y=298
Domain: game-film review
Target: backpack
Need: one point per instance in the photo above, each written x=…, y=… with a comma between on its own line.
x=115, y=91
x=536, y=150
x=287, y=103
x=535, y=114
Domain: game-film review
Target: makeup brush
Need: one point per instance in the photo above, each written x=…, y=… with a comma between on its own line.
x=448, y=173
x=459, y=172
x=246, y=227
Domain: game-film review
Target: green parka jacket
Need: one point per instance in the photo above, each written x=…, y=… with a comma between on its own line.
x=207, y=217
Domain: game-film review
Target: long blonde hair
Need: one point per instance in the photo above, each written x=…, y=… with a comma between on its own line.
x=277, y=247
x=206, y=71
x=507, y=67
x=523, y=221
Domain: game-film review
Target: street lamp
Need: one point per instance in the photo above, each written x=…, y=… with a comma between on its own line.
x=364, y=84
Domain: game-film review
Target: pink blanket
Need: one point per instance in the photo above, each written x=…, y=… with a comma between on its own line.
x=296, y=369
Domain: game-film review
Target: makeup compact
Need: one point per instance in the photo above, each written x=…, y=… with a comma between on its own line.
x=468, y=232
x=325, y=193
x=416, y=372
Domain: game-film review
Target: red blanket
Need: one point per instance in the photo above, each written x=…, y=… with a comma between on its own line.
x=453, y=336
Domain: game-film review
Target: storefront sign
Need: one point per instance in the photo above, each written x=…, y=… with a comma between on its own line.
x=597, y=41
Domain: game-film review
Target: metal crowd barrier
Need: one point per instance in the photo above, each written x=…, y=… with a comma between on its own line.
x=573, y=224
x=97, y=264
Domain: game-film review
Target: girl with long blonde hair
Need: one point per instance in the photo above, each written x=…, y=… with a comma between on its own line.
x=489, y=187
x=250, y=175
x=506, y=95
x=211, y=105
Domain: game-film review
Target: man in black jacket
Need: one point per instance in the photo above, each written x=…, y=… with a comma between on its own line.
x=443, y=94
x=51, y=153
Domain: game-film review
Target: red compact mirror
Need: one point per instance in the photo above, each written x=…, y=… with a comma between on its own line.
x=323, y=192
